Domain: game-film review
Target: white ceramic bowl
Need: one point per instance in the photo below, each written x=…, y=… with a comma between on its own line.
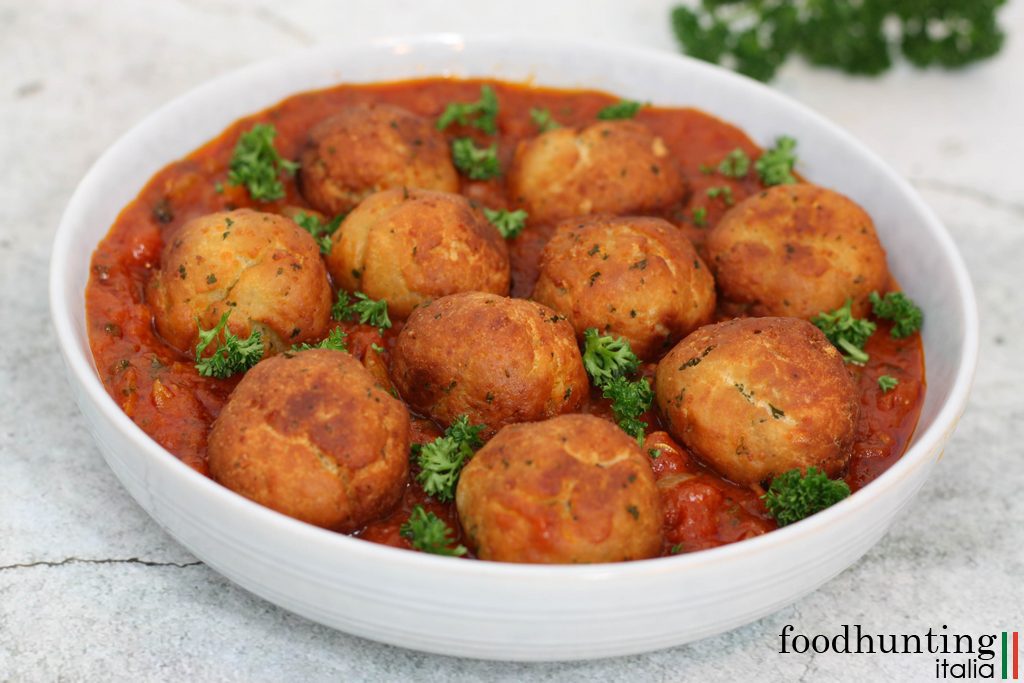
x=505, y=611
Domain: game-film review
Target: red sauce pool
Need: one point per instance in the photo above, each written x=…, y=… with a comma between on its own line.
x=160, y=390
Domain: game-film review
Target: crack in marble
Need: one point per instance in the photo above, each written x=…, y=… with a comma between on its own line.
x=968, y=192
x=86, y=560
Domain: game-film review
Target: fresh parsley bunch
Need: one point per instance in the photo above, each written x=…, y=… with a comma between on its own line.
x=756, y=37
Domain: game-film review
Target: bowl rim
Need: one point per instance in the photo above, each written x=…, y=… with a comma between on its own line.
x=81, y=368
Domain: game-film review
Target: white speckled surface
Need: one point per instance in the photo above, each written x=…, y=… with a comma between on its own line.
x=92, y=589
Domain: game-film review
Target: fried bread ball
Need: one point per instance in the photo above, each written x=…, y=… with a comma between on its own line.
x=615, y=167
x=797, y=250
x=635, y=278
x=313, y=436
x=367, y=148
x=570, y=489
x=756, y=397
x=411, y=246
x=495, y=359
x=261, y=267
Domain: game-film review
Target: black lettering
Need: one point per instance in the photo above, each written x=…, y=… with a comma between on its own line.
x=985, y=647
x=906, y=644
x=861, y=637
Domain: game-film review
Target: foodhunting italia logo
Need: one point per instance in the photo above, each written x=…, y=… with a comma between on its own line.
x=959, y=656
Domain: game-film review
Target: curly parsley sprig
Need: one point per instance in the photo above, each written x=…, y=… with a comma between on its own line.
x=623, y=109
x=482, y=114
x=609, y=360
x=320, y=231
x=335, y=340
x=847, y=333
x=508, y=223
x=257, y=165
x=775, y=165
x=361, y=308
x=736, y=164
x=474, y=162
x=906, y=316
x=607, y=357
x=629, y=400
x=428, y=533
x=793, y=495
x=441, y=461
x=543, y=120
x=231, y=355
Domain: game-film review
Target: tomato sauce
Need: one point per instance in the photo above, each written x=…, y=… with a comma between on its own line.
x=158, y=387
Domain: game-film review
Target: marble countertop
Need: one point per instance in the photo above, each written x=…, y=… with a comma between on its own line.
x=92, y=589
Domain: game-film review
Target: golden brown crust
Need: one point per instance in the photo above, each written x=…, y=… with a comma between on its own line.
x=312, y=436
x=498, y=360
x=615, y=167
x=636, y=278
x=412, y=246
x=262, y=267
x=797, y=250
x=367, y=148
x=570, y=489
x=755, y=397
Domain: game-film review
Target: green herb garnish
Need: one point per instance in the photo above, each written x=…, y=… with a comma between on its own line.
x=793, y=496
x=629, y=400
x=775, y=165
x=428, y=533
x=607, y=357
x=887, y=383
x=475, y=163
x=231, y=355
x=898, y=307
x=335, y=340
x=508, y=223
x=362, y=308
x=848, y=334
x=482, y=114
x=320, y=231
x=623, y=109
x=736, y=164
x=257, y=165
x=543, y=120
x=441, y=461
